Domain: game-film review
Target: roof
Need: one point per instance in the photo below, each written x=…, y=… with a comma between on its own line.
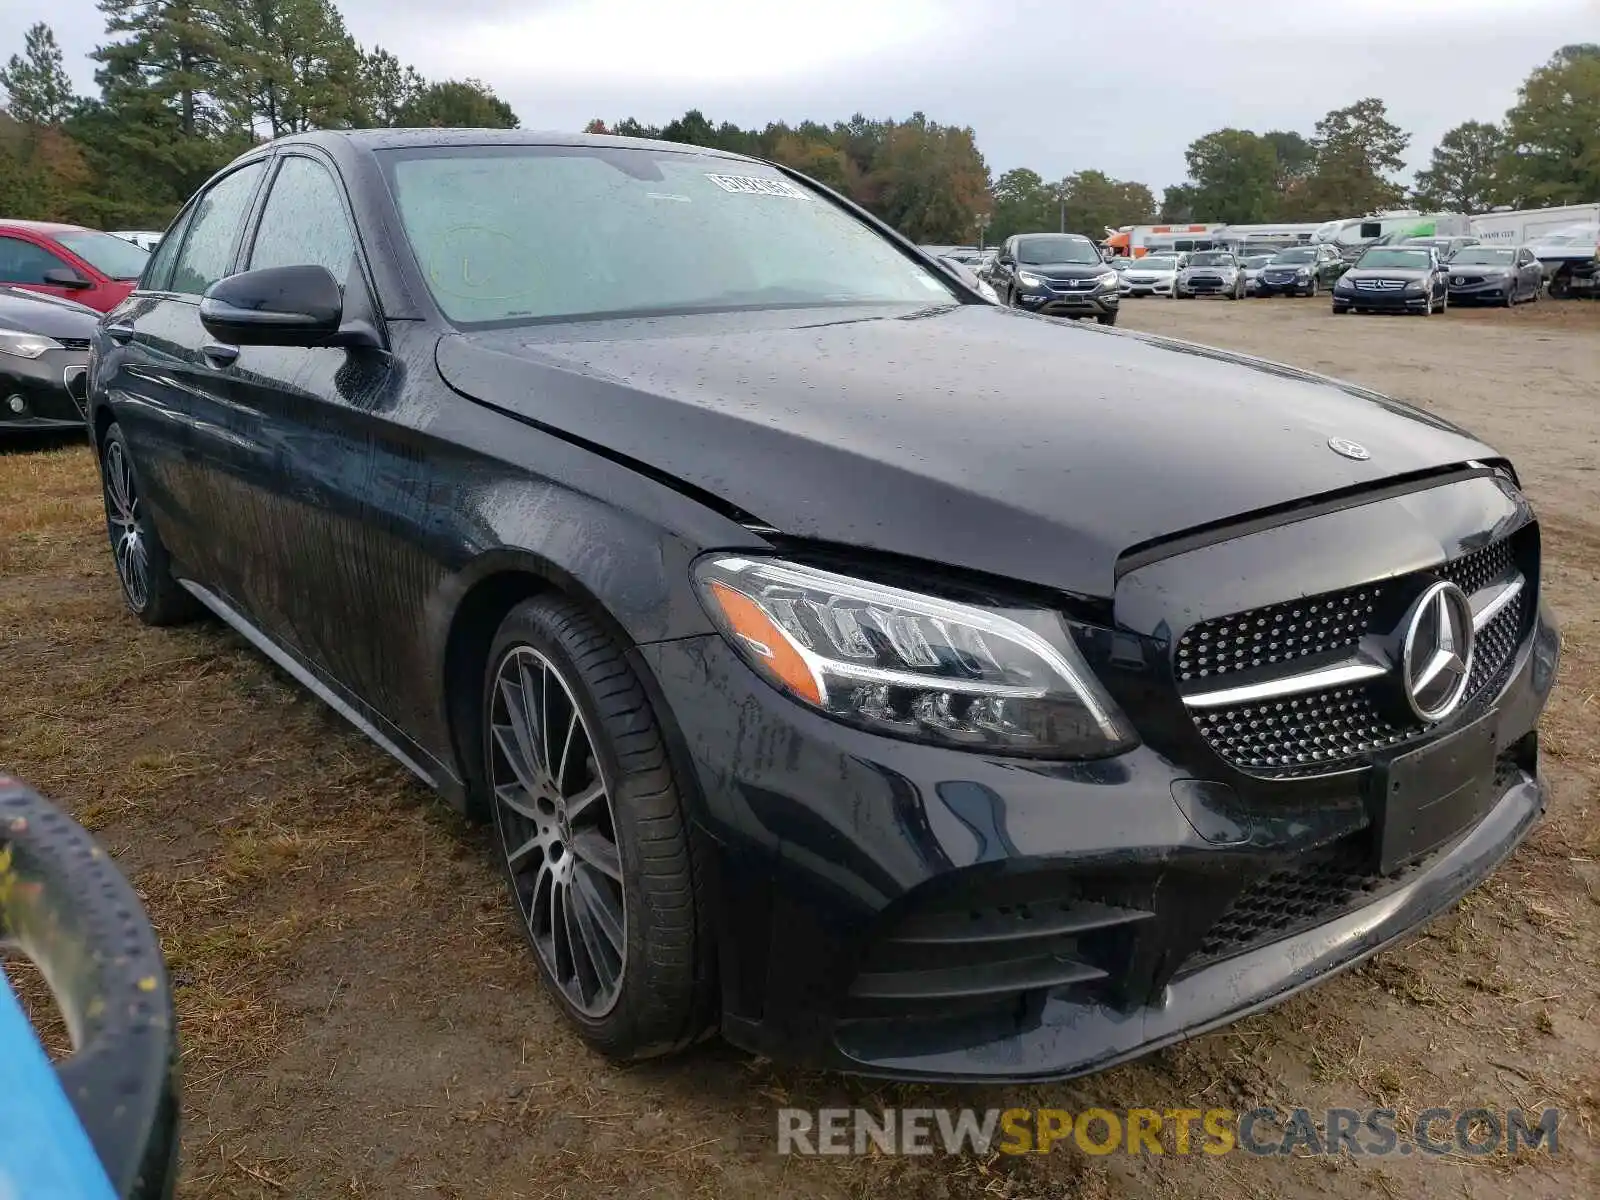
x=45, y=227
x=401, y=139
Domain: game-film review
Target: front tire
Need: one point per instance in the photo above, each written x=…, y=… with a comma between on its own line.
x=593, y=833
x=144, y=568
x=1107, y=318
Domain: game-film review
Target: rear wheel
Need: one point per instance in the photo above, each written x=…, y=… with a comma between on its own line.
x=144, y=569
x=593, y=832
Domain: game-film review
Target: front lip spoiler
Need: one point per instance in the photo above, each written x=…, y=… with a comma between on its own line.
x=1075, y=1039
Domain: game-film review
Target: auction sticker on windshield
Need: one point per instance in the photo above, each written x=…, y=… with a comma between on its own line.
x=755, y=186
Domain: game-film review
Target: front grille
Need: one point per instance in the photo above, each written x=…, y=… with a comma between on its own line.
x=73, y=343
x=1334, y=728
x=1073, y=285
x=1380, y=285
x=1464, y=280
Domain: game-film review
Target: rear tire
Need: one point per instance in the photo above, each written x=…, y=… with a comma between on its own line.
x=144, y=568
x=611, y=878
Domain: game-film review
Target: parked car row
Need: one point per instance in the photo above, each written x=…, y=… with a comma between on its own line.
x=1422, y=275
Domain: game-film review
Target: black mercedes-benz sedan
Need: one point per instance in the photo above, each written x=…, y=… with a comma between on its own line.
x=1394, y=279
x=44, y=346
x=883, y=713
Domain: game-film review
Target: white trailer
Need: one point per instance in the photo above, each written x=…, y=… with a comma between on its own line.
x=1353, y=232
x=1522, y=226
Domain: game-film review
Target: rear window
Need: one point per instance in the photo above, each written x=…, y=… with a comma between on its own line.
x=517, y=234
x=106, y=253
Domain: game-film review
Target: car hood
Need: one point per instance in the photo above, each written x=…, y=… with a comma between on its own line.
x=1481, y=268
x=1150, y=272
x=870, y=429
x=34, y=312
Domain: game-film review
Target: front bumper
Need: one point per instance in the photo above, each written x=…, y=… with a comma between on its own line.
x=1070, y=304
x=847, y=866
x=1292, y=287
x=1207, y=287
x=1484, y=291
x=49, y=389
x=1383, y=301
x=1162, y=287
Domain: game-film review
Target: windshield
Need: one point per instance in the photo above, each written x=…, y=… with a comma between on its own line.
x=1395, y=256
x=1296, y=257
x=1483, y=256
x=1155, y=264
x=1057, y=248
x=529, y=233
x=1256, y=261
x=1211, y=258
x=111, y=256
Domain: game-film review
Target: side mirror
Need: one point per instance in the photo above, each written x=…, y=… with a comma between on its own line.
x=275, y=306
x=1005, y=260
x=66, y=277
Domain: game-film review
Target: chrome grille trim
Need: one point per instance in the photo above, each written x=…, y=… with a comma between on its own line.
x=1486, y=605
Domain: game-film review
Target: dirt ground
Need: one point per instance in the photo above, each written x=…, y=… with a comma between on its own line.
x=359, y=1017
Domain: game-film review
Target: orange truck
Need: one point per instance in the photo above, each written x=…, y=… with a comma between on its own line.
x=1135, y=241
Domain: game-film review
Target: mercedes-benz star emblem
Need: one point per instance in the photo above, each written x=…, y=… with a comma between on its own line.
x=1348, y=448
x=1436, y=660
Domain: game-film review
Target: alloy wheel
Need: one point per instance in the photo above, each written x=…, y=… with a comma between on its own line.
x=128, y=543
x=558, y=830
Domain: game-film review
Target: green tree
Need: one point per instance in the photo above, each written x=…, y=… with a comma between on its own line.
x=168, y=53
x=458, y=104
x=1095, y=202
x=38, y=91
x=1465, y=174
x=386, y=87
x=929, y=181
x=820, y=159
x=1358, y=147
x=1553, y=132
x=291, y=66
x=1235, y=176
x=1022, y=203
x=1178, y=203
x=1296, y=158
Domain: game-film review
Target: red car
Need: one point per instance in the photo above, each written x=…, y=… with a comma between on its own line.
x=69, y=261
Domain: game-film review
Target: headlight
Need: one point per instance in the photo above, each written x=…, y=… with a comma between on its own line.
x=25, y=345
x=1109, y=279
x=1028, y=279
x=1415, y=286
x=1344, y=285
x=1304, y=272
x=899, y=662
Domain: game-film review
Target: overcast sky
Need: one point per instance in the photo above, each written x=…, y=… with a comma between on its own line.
x=1058, y=86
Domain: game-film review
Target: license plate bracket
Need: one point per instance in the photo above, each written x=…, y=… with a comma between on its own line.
x=1422, y=798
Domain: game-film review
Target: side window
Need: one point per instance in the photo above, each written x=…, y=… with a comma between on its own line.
x=158, y=271
x=23, y=262
x=207, y=251
x=304, y=221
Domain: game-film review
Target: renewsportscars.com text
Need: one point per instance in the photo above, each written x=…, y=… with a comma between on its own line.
x=1179, y=1131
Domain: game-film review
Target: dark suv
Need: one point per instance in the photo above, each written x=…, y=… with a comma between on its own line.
x=1300, y=271
x=1057, y=274
x=884, y=713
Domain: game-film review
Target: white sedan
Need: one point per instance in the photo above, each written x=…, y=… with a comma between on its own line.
x=1152, y=275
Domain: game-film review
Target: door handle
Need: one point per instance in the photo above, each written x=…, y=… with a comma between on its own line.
x=220, y=353
x=120, y=331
